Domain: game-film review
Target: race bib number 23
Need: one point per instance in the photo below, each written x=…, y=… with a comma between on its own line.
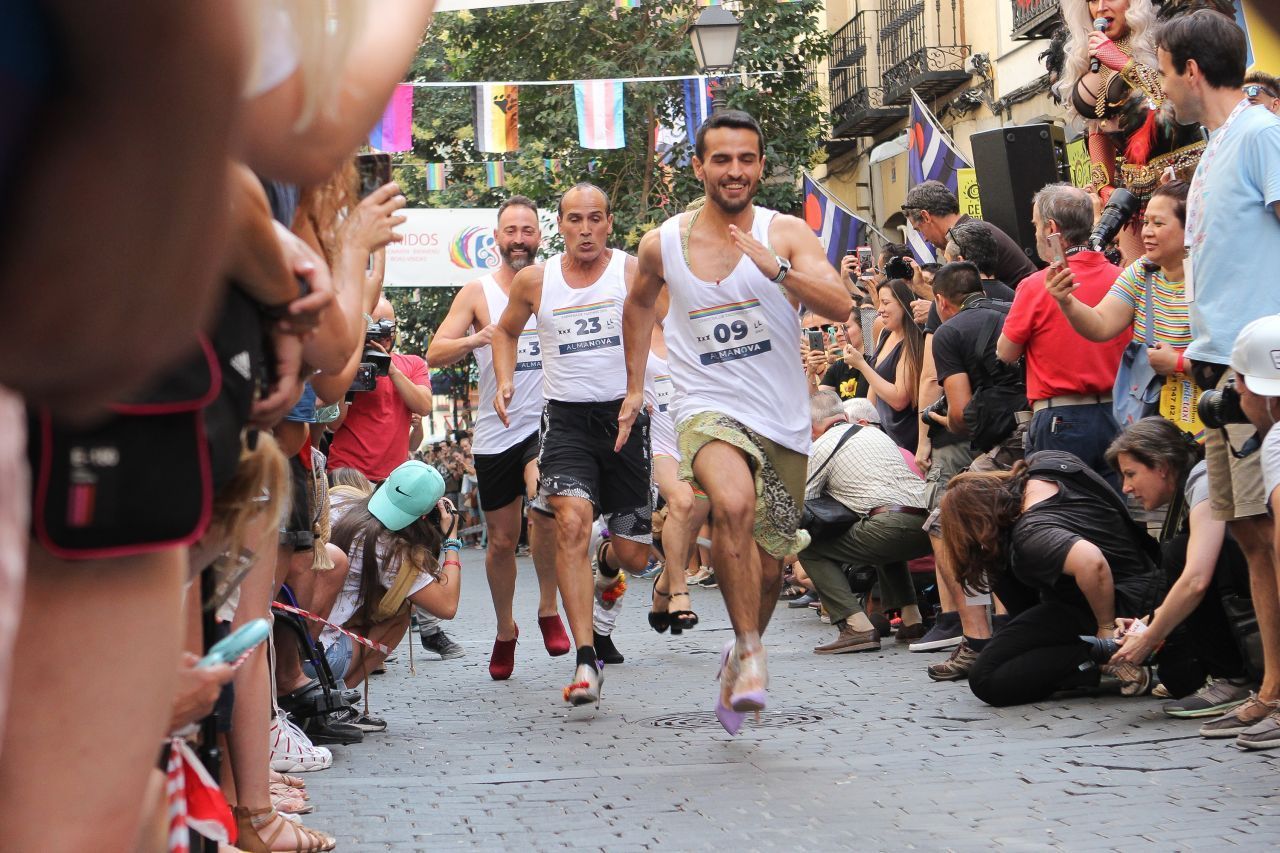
x=587, y=327
x=730, y=332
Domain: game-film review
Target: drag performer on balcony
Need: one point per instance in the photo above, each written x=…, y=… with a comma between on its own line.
x=1133, y=138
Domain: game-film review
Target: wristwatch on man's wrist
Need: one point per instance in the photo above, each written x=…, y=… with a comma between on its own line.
x=784, y=267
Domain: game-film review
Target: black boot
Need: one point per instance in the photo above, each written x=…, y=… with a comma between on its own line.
x=606, y=650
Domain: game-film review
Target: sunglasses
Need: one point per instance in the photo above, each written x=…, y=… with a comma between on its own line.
x=1253, y=90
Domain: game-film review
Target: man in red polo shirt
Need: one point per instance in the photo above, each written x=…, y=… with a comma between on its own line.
x=374, y=435
x=1069, y=379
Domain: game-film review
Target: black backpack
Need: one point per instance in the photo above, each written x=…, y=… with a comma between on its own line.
x=999, y=389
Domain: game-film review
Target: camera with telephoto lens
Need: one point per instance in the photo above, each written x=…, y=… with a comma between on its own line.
x=898, y=268
x=1219, y=408
x=1120, y=208
x=937, y=407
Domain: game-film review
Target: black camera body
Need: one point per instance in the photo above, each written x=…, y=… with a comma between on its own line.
x=1219, y=408
x=378, y=330
x=937, y=407
x=898, y=268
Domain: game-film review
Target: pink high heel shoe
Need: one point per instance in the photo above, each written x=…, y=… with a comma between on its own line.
x=752, y=670
x=730, y=719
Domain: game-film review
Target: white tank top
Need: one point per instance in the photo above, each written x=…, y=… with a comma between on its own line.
x=733, y=346
x=658, y=387
x=581, y=333
x=525, y=409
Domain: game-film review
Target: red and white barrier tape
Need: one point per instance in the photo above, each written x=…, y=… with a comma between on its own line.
x=364, y=641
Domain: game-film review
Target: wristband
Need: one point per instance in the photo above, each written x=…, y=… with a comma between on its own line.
x=1178, y=368
x=455, y=544
x=447, y=563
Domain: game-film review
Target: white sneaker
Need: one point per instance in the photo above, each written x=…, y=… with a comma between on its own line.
x=292, y=751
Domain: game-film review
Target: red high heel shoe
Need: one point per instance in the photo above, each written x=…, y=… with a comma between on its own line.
x=503, y=659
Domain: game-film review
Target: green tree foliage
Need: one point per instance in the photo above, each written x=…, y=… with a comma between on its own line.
x=590, y=39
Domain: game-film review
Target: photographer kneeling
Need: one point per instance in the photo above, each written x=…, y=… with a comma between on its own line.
x=1191, y=633
x=1022, y=533
x=400, y=529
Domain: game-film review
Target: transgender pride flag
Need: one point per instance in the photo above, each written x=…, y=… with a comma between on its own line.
x=394, y=131
x=599, y=114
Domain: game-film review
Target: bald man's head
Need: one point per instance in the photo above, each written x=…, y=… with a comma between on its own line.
x=384, y=311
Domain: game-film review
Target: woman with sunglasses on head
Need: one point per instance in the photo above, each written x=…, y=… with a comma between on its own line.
x=894, y=372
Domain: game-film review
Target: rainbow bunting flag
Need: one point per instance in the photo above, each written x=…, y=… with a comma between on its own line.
x=600, y=114
x=394, y=131
x=627, y=4
x=497, y=118
x=495, y=173
x=551, y=165
x=435, y=177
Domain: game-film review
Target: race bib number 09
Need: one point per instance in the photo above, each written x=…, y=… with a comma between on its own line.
x=587, y=327
x=730, y=332
x=529, y=351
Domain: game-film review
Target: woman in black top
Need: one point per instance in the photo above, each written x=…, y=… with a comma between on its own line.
x=1059, y=548
x=893, y=374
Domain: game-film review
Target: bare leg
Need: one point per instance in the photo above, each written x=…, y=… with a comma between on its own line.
x=500, y=564
x=72, y=776
x=296, y=567
x=573, y=567
x=1255, y=538
x=365, y=660
x=722, y=470
x=327, y=586
x=542, y=547
x=682, y=521
x=770, y=586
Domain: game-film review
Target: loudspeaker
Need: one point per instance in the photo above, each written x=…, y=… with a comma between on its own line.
x=1012, y=165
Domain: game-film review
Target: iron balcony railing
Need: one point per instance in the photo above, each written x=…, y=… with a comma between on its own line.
x=1035, y=18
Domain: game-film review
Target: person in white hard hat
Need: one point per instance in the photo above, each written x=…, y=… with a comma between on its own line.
x=1255, y=358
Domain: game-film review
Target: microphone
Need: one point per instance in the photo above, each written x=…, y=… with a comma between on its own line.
x=1099, y=24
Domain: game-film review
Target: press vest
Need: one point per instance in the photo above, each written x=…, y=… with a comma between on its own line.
x=733, y=346
x=525, y=408
x=580, y=329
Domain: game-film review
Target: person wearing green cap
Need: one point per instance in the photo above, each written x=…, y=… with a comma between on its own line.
x=406, y=530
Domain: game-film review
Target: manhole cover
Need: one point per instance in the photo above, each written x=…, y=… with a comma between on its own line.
x=707, y=719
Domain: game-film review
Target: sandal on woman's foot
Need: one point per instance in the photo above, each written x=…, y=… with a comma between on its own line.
x=254, y=823
x=286, y=779
x=288, y=802
x=681, y=620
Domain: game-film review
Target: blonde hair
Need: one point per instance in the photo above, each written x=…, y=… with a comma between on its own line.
x=1140, y=18
x=261, y=484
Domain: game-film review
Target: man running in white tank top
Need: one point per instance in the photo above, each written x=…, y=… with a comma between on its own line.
x=578, y=298
x=736, y=275
x=506, y=458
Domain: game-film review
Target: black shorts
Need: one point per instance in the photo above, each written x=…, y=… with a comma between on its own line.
x=578, y=459
x=500, y=476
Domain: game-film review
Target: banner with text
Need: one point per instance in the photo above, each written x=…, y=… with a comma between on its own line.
x=446, y=247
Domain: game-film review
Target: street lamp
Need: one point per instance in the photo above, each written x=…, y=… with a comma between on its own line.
x=715, y=41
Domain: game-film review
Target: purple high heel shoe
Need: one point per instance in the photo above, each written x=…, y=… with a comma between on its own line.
x=751, y=701
x=730, y=719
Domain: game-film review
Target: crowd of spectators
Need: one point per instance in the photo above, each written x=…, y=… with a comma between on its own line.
x=1087, y=530
x=994, y=444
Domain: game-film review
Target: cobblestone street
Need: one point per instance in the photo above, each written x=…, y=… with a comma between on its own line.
x=856, y=751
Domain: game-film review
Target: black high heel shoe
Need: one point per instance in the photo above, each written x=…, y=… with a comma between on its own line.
x=680, y=620
x=660, y=622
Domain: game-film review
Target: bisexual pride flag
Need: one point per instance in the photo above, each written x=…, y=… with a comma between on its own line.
x=931, y=155
x=600, y=116
x=394, y=131
x=837, y=228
